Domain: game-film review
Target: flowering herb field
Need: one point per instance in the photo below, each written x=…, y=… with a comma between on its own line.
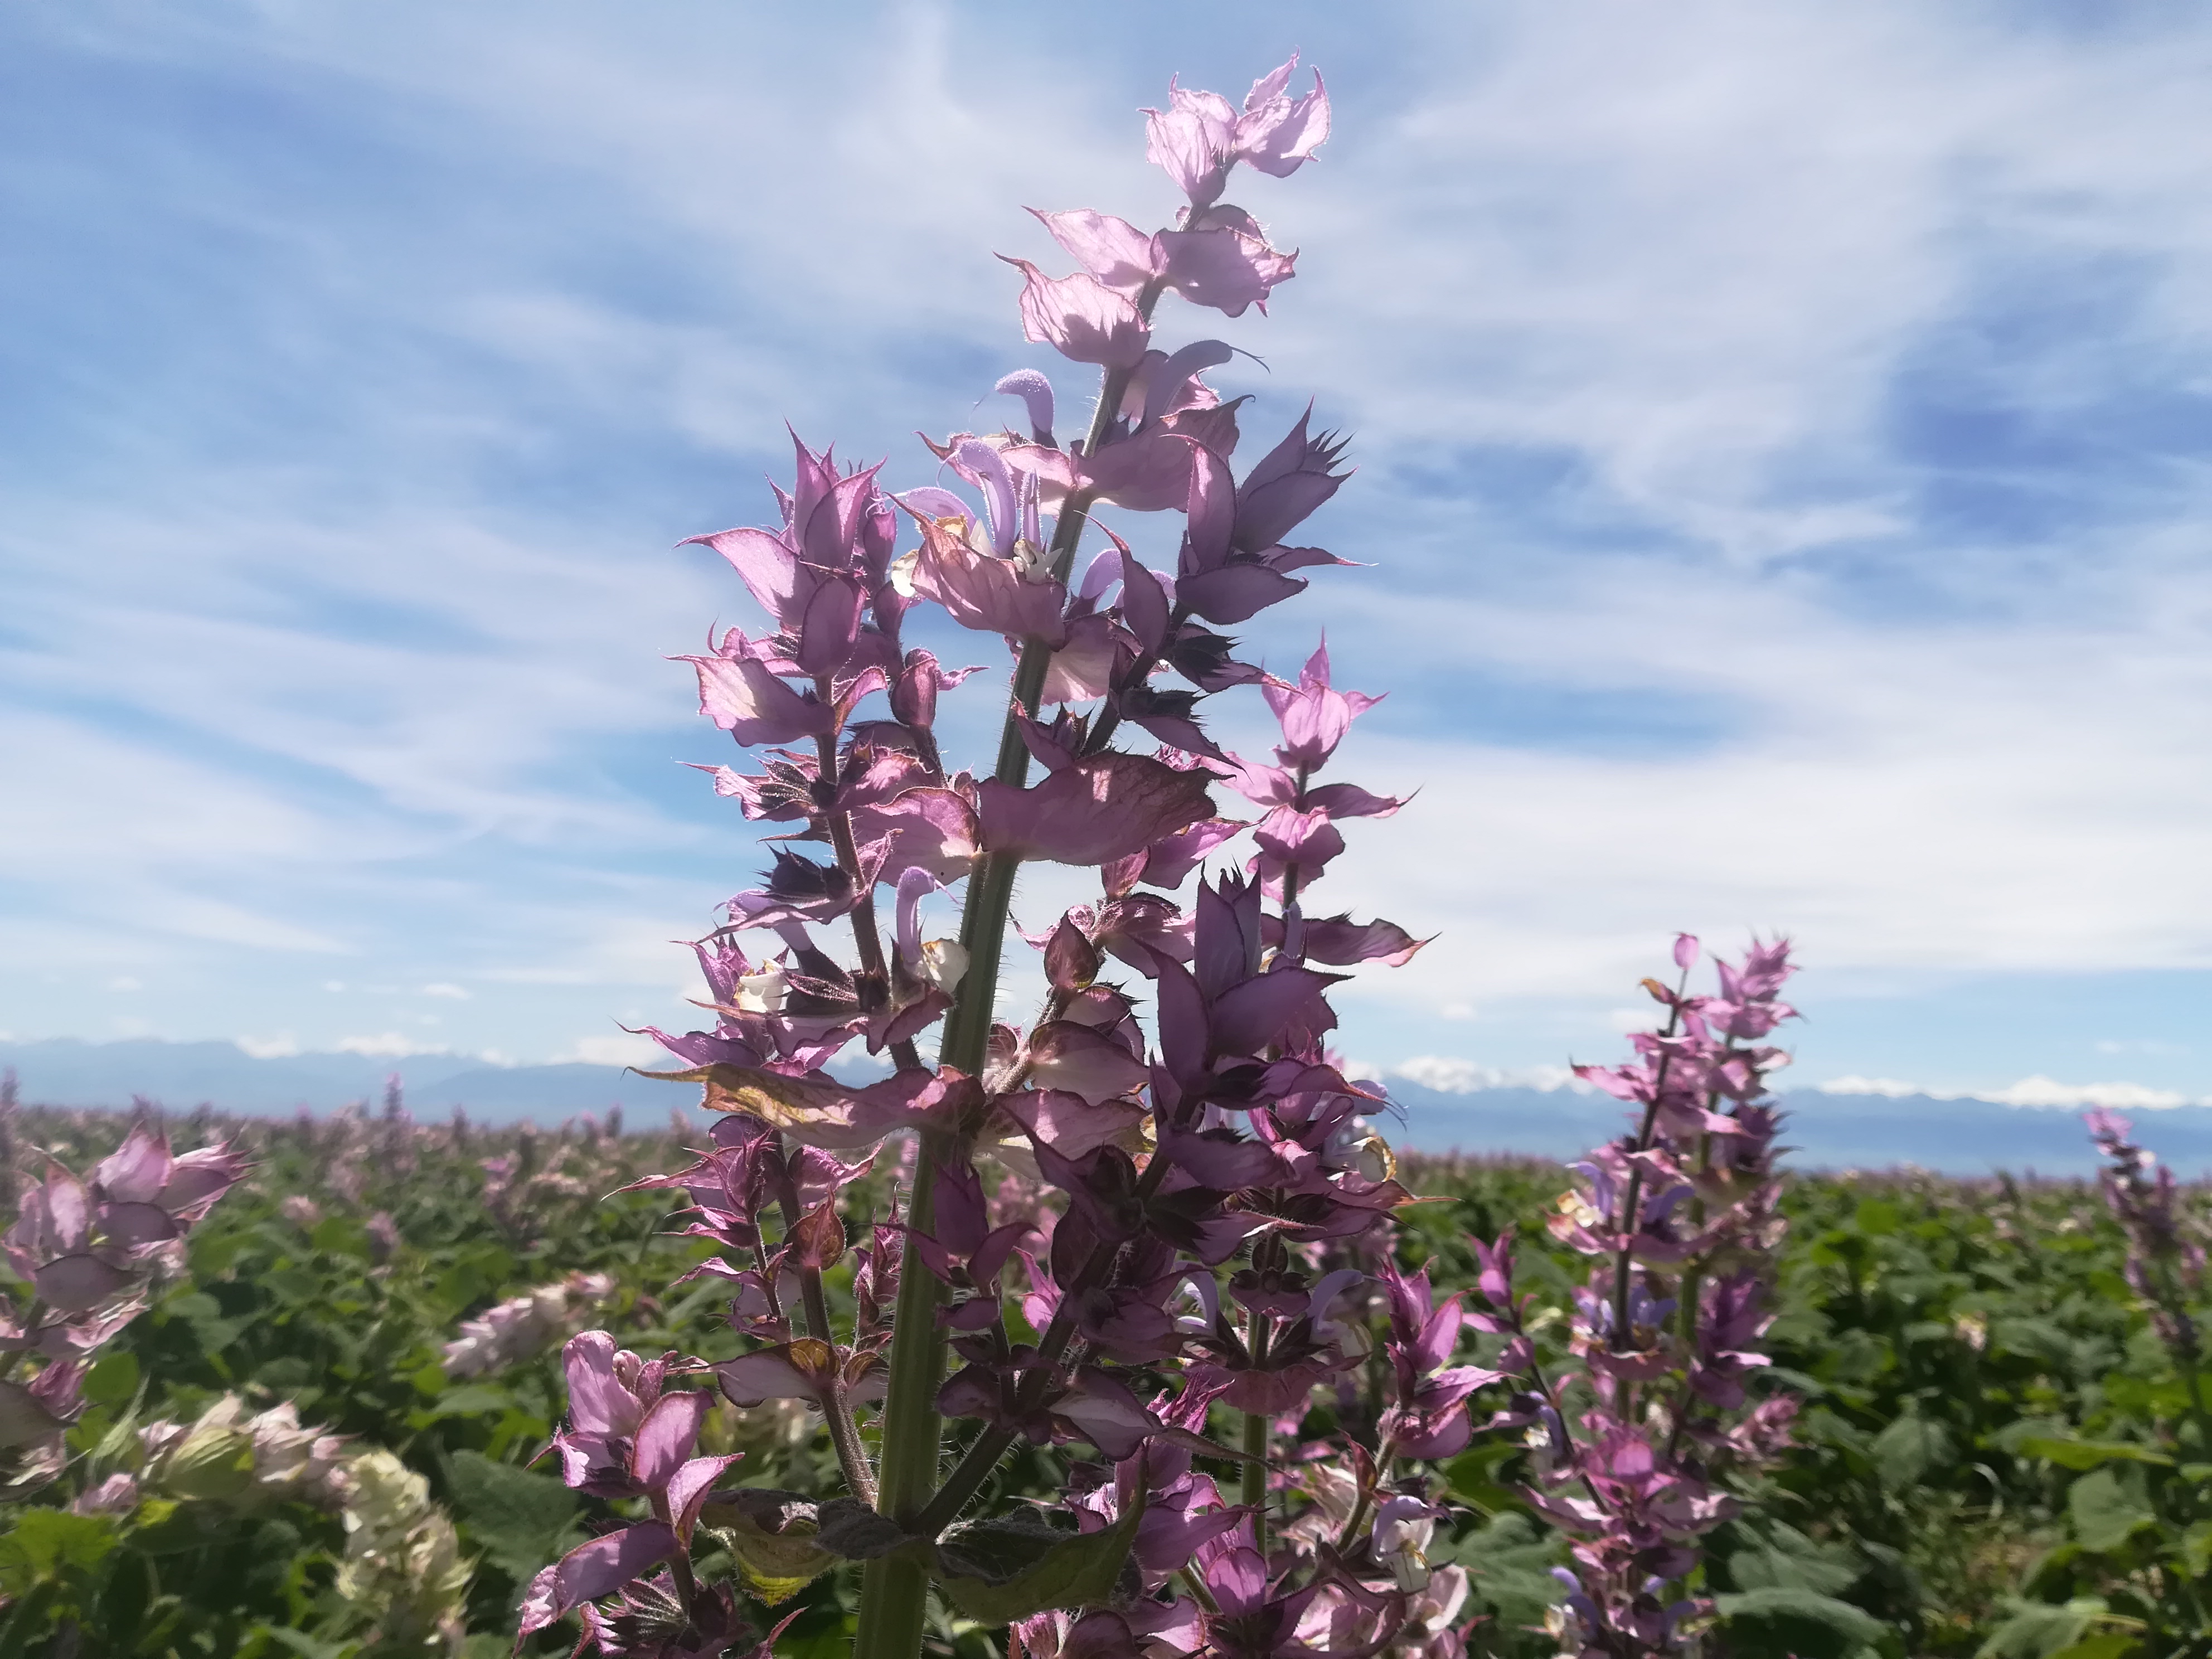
x=1121, y=1334
x=318, y=1436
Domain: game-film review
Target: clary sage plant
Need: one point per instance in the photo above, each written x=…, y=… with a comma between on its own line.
x=1168, y=1252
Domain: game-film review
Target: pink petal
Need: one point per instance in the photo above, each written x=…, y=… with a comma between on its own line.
x=1083, y=668
x=1093, y=811
x=199, y=1178
x=24, y=1421
x=1224, y=269
x=771, y=1374
x=1254, y=1014
x=1082, y=1062
x=1149, y=473
x=1235, y=592
x=593, y=1569
x=769, y=567
x=1144, y=602
x=598, y=1403
x=1080, y=317
x=135, y=1225
x=664, y=1439
x=983, y=593
x=931, y=829
x=1071, y=1125
x=690, y=1487
x=1113, y=250
x=78, y=1284
x=136, y=1171
x=754, y=706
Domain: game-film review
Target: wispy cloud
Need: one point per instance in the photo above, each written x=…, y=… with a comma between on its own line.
x=1781, y=438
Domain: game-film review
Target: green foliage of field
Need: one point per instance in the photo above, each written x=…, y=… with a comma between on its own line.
x=1995, y=1457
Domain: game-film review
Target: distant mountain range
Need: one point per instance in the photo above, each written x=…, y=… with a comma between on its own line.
x=1961, y=1137
x=179, y=1076
x=1827, y=1132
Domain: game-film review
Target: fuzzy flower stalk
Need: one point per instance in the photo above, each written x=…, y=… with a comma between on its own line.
x=1634, y=1434
x=1175, y=1305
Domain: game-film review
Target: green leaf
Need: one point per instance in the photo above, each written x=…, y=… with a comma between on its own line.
x=2042, y=1632
x=113, y=1378
x=2033, y=1339
x=212, y=1463
x=1877, y=1216
x=997, y=1571
x=1908, y=1449
x=848, y=1528
x=293, y=1283
x=476, y=1401
x=2110, y=1645
x=1470, y=1473
x=306, y=1645
x=2107, y=1509
x=1781, y=1557
x=2197, y=1549
x=1800, y=1621
x=523, y=1518
x=161, y=1526
x=42, y=1543
x=2089, y=1454
x=340, y=1236
x=775, y=1566
x=1475, y=1467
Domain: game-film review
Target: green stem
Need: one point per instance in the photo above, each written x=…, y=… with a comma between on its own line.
x=983, y=1454
x=1252, y=1489
x=1253, y=1480
x=894, y=1590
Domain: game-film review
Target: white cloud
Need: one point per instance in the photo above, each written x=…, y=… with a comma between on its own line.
x=1465, y=1077
x=392, y=1044
x=2037, y=1091
x=1890, y=1087
x=452, y=993
x=619, y=1049
x=1940, y=802
x=275, y=1048
x=2050, y=1092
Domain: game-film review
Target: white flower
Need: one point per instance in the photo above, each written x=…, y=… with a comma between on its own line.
x=943, y=962
x=761, y=993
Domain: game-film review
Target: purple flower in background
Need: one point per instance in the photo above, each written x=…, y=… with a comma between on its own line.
x=2166, y=1258
x=1679, y=1217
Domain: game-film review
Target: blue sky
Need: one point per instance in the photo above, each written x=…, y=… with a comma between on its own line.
x=1783, y=435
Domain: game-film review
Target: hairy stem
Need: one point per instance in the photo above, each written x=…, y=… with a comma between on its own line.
x=1253, y=1479
x=867, y=937
x=836, y=1409
x=895, y=1591
x=984, y=1452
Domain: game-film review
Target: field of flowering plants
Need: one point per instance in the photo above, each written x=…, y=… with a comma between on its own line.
x=319, y=1437
x=1119, y=1334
